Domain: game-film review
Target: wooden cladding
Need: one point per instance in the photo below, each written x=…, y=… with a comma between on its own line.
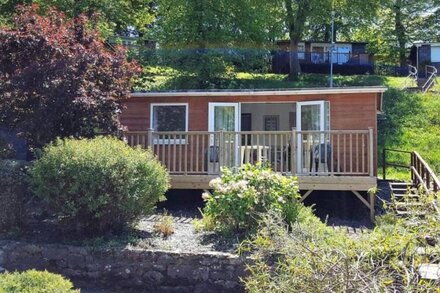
x=334, y=152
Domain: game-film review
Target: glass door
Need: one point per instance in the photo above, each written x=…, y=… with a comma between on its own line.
x=224, y=116
x=310, y=121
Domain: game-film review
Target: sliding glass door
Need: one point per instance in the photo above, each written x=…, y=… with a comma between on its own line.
x=312, y=117
x=224, y=116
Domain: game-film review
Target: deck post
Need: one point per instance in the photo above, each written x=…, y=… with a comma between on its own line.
x=150, y=139
x=372, y=196
x=221, y=148
x=371, y=151
x=293, y=152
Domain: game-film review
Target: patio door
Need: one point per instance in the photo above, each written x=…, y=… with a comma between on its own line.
x=311, y=116
x=224, y=116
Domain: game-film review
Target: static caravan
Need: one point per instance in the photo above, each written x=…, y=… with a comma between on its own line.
x=327, y=137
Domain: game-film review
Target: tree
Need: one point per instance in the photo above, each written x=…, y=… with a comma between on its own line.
x=397, y=24
x=201, y=33
x=111, y=15
x=57, y=78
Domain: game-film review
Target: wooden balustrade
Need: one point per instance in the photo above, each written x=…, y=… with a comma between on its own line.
x=334, y=152
x=421, y=174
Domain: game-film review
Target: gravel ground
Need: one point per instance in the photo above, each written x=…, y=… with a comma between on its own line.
x=184, y=207
x=184, y=238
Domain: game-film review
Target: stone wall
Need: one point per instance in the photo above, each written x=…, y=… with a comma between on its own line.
x=140, y=270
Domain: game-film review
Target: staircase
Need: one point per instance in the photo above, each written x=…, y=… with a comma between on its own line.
x=406, y=195
x=406, y=198
x=424, y=84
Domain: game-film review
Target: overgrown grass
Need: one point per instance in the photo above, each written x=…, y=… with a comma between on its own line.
x=411, y=121
x=312, y=257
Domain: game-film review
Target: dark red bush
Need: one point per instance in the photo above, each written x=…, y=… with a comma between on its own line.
x=58, y=78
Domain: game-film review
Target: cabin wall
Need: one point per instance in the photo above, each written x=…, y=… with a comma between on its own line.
x=347, y=111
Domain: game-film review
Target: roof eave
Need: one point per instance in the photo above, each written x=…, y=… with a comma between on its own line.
x=315, y=91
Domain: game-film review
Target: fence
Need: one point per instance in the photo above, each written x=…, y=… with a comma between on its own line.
x=333, y=152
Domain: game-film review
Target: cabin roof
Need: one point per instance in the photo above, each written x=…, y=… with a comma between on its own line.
x=262, y=92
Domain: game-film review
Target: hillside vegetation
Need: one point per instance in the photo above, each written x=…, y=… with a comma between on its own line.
x=411, y=120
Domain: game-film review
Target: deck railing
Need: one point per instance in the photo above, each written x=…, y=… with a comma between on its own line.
x=421, y=174
x=333, y=152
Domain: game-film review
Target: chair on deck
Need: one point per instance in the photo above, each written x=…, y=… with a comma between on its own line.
x=214, y=153
x=322, y=154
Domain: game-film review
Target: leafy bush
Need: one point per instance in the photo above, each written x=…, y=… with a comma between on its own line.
x=98, y=184
x=239, y=198
x=13, y=182
x=312, y=257
x=33, y=281
x=77, y=83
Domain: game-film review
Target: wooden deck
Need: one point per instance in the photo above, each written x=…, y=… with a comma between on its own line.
x=322, y=160
x=341, y=183
x=339, y=160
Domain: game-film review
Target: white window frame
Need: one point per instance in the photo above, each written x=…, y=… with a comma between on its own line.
x=169, y=141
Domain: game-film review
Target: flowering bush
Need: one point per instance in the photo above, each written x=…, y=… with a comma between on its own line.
x=240, y=198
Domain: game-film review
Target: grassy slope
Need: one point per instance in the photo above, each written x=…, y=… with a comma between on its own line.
x=411, y=120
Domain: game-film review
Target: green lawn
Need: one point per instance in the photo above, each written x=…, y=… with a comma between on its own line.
x=165, y=78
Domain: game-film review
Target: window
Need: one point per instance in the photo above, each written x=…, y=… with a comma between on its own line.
x=169, y=117
x=292, y=120
x=271, y=122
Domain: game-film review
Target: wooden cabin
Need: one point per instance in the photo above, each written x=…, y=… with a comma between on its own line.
x=314, y=57
x=327, y=137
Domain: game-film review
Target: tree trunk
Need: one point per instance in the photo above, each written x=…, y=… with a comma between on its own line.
x=295, y=23
x=400, y=32
x=295, y=68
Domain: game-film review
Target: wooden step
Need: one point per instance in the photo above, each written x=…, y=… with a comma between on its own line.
x=403, y=196
x=405, y=205
x=401, y=184
x=410, y=213
x=404, y=190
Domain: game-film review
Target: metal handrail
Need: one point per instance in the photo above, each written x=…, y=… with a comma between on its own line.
x=413, y=72
x=432, y=71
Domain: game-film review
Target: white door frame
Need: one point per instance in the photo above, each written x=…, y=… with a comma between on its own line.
x=211, y=122
x=321, y=103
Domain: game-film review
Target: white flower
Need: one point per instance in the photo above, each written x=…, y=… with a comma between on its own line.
x=215, y=183
x=281, y=199
x=206, y=195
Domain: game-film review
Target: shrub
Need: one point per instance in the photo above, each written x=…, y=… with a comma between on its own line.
x=35, y=282
x=13, y=182
x=98, y=184
x=239, y=198
x=312, y=257
x=164, y=226
x=77, y=83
